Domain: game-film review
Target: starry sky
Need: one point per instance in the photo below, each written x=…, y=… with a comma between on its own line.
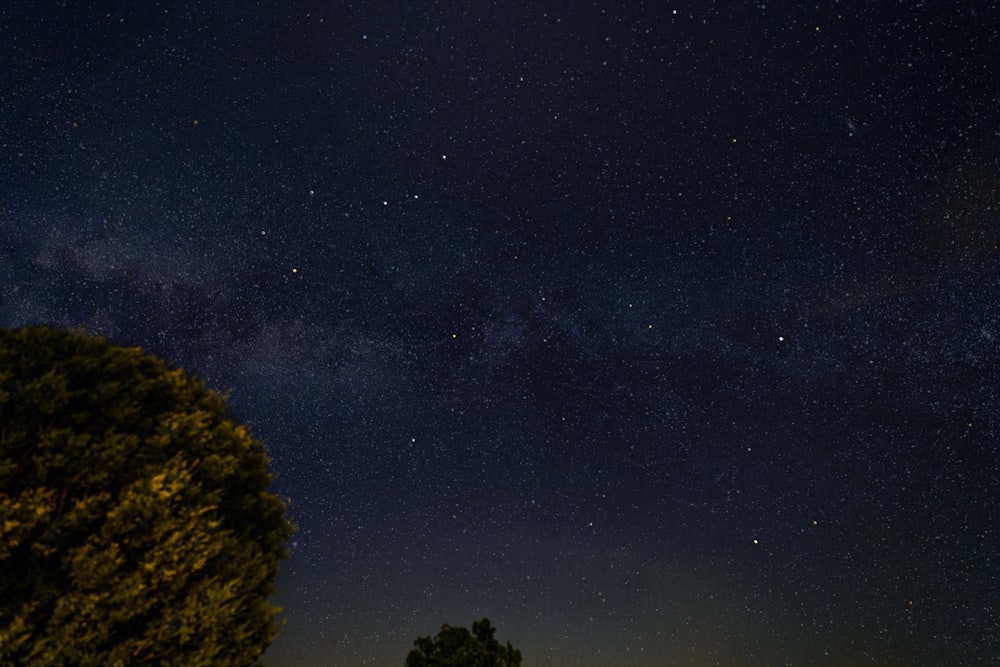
x=659, y=332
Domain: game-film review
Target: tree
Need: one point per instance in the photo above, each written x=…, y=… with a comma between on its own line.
x=456, y=647
x=135, y=522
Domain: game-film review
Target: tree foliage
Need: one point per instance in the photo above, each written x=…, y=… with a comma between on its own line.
x=457, y=647
x=135, y=522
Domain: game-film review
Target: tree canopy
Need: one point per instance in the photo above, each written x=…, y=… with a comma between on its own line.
x=457, y=647
x=135, y=522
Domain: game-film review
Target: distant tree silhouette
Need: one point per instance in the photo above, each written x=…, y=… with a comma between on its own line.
x=135, y=522
x=456, y=647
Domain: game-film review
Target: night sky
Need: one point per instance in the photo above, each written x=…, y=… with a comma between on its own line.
x=660, y=333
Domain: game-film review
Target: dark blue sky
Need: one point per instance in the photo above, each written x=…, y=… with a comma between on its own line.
x=664, y=334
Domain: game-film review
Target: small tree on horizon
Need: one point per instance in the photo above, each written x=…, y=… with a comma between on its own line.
x=457, y=647
x=135, y=522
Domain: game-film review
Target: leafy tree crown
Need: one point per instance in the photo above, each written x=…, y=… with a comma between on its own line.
x=135, y=522
x=457, y=647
